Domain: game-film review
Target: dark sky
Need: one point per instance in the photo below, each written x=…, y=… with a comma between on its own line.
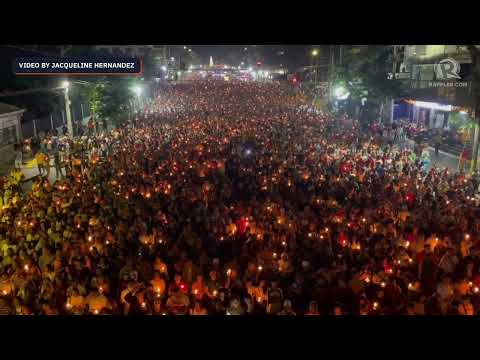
x=270, y=55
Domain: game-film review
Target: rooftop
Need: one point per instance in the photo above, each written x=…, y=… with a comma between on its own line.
x=7, y=108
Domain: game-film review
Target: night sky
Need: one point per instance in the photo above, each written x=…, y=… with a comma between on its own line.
x=270, y=55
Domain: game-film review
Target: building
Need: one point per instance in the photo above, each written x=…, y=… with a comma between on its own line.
x=10, y=124
x=431, y=98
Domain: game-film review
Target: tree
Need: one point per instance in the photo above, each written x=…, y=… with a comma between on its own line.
x=365, y=75
x=109, y=99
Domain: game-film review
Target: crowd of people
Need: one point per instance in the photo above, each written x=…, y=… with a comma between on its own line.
x=239, y=199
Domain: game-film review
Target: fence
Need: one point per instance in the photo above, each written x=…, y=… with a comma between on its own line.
x=56, y=120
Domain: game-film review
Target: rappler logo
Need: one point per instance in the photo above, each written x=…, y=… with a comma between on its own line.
x=447, y=69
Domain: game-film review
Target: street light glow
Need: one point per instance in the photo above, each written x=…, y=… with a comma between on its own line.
x=137, y=90
x=315, y=52
x=341, y=93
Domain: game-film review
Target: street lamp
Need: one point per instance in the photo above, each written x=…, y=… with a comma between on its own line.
x=66, y=86
x=341, y=93
x=189, y=50
x=314, y=52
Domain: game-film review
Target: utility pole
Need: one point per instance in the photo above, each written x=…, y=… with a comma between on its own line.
x=68, y=112
x=331, y=66
x=394, y=76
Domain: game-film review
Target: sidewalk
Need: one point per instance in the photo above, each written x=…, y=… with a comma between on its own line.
x=443, y=159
